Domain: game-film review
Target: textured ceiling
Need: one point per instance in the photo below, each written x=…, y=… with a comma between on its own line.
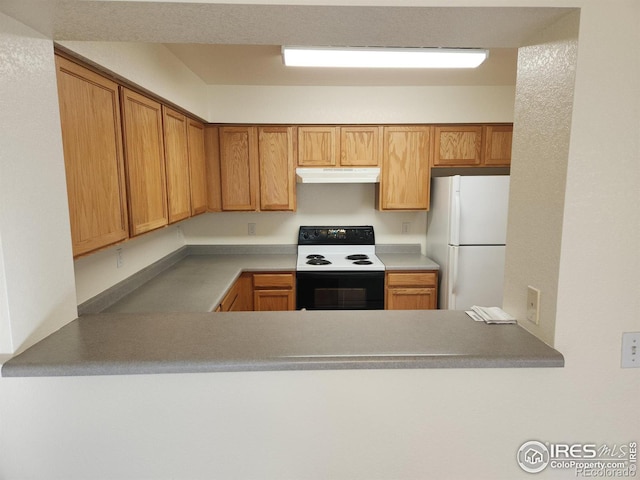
x=239, y=43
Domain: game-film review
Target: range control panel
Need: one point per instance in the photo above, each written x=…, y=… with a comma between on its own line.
x=359, y=235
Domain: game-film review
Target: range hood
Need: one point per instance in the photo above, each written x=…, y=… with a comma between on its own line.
x=338, y=175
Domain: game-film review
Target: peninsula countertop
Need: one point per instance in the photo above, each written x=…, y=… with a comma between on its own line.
x=151, y=343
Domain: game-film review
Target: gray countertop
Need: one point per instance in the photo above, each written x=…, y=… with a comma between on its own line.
x=163, y=326
x=197, y=283
x=118, y=344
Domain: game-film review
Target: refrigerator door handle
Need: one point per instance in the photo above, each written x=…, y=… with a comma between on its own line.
x=453, y=277
x=455, y=219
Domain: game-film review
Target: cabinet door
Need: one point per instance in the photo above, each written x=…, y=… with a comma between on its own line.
x=277, y=168
x=360, y=146
x=317, y=146
x=405, y=168
x=93, y=157
x=197, y=166
x=457, y=145
x=144, y=160
x=411, y=298
x=238, y=168
x=177, y=165
x=497, y=145
x=273, y=300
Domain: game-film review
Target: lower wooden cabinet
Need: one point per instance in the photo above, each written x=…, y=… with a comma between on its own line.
x=260, y=292
x=273, y=291
x=411, y=290
x=239, y=298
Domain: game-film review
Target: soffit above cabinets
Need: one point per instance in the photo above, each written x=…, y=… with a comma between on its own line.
x=219, y=42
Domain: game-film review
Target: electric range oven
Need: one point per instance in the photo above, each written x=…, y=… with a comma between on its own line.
x=337, y=269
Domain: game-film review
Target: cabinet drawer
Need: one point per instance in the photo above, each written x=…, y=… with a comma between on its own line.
x=273, y=280
x=409, y=279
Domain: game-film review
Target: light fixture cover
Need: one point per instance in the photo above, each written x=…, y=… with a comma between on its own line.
x=379, y=57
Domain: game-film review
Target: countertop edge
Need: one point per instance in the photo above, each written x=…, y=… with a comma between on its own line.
x=338, y=363
x=121, y=344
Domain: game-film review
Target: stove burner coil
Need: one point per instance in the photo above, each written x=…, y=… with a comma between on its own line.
x=318, y=261
x=315, y=256
x=363, y=262
x=358, y=256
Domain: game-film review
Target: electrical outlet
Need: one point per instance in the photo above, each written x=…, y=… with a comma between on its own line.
x=533, y=304
x=630, y=350
x=119, y=258
x=251, y=228
x=406, y=226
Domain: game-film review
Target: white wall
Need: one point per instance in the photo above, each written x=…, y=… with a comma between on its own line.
x=38, y=294
x=543, y=110
x=270, y=104
x=348, y=204
x=405, y=424
x=150, y=66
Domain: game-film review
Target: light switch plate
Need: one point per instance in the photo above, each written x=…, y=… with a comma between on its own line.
x=630, y=350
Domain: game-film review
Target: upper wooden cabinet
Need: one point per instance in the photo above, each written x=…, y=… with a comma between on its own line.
x=318, y=146
x=405, y=172
x=472, y=145
x=257, y=168
x=197, y=166
x=457, y=145
x=339, y=146
x=238, y=167
x=276, y=158
x=497, y=145
x=177, y=165
x=144, y=160
x=360, y=146
x=93, y=157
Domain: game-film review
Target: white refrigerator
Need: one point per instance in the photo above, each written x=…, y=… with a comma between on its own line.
x=466, y=236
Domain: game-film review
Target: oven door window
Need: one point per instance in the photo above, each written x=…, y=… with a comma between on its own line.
x=340, y=290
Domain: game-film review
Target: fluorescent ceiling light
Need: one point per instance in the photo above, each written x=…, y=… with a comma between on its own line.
x=365, y=57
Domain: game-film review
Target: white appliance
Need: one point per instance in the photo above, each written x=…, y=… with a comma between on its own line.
x=466, y=236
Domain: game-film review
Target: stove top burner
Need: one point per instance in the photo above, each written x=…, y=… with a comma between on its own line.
x=318, y=261
x=363, y=262
x=315, y=256
x=358, y=256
